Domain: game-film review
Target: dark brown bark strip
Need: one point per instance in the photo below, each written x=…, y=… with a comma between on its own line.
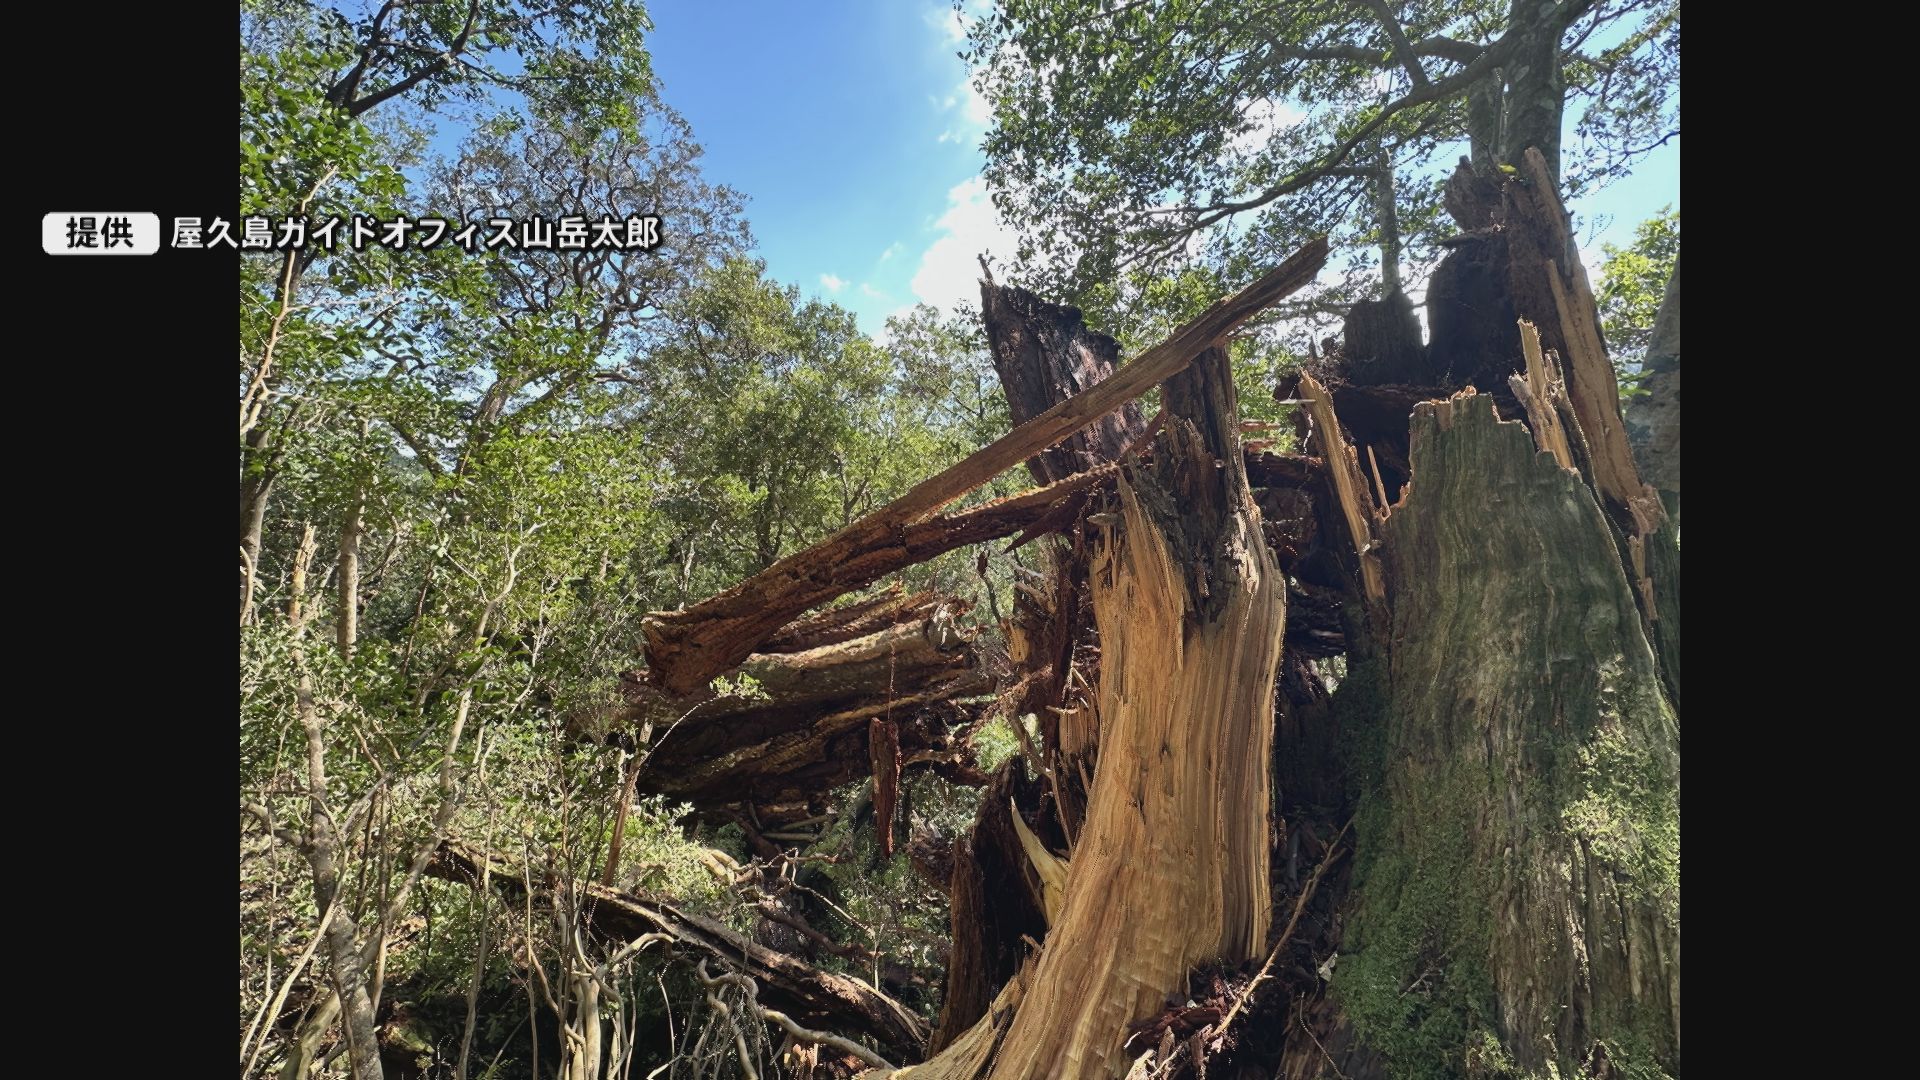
x=686, y=649
x=883, y=753
x=1045, y=354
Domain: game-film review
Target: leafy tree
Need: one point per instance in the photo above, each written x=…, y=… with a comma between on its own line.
x=1149, y=135
x=1633, y=282
x=311, y=76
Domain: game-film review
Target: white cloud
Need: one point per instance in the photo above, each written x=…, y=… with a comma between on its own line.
x=949, y=270
x=867, y=290
x=832, y=282
x=893, y=249
x=972, y=113
x=951, y=24
x=977, y=111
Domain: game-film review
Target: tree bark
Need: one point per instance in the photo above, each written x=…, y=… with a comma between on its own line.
x=257, y=475
x=1536, y=97
x=347, y=624
x=1514, y=732
x=1653, y=418
x=322, y=850
x=1044, y=354
x=1518, y=874
x=1386, y=212
x=1486, y=112
x=822, y=681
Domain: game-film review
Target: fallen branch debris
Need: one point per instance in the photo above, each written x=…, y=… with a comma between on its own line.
x=798, y=989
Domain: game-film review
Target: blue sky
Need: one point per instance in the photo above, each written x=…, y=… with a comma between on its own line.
x=852, y=131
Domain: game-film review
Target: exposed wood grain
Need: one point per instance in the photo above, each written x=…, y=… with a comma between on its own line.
x=686, y=649
x=1349, y=485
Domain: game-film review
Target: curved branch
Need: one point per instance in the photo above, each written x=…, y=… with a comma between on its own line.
x=350, y=85
x=752, y=991
x=1402, y=48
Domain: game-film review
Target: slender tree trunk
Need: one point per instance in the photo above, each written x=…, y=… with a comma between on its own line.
x=258, y=472
x=305, y=1045
x=347, y=623
x=1387, y=217
x=348, y=966
x=1486, y=126
x=587, y=1022
x=620, y=812
x=297, y=583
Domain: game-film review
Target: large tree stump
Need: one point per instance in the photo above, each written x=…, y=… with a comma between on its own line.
x=1518, y=876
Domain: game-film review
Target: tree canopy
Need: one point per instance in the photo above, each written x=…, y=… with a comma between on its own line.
x=1147, y=136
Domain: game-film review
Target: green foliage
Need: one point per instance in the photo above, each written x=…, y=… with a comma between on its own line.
x=529, y=450
x=1633, y=282
x=291, y=135
x=1132, y=143
x=888, y=906
x=994, y=742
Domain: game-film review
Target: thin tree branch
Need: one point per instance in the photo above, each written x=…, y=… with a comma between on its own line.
x=1402, y=48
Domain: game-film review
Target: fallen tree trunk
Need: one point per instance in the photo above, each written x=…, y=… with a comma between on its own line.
x=686, y=649
x=810, y=996
x=821, y=682
x=803, y=725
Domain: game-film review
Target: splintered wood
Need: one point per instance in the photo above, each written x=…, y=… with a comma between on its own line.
x=687, y=649
x=1542, y=248
x=1349, y=486
x=1540, y=390
x=899, y=666
x=1170, y=867
x=1574, y=332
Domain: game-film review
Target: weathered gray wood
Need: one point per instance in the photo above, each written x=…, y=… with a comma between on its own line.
x=1519, y=853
